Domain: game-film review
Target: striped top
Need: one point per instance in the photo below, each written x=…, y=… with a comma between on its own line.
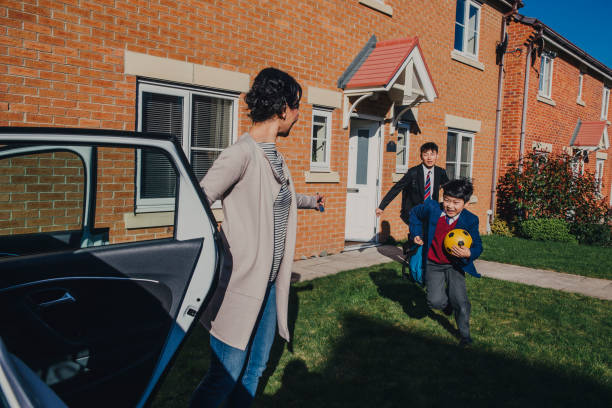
x=281, y=208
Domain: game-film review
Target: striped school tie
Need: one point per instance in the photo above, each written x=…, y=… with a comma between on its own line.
x=428, y=186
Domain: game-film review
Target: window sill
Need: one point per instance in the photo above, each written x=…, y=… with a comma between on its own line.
x=378, y=6
x=542, y=147
x=546, y=100
x=149, y=220
x=397, y=176
x=321, y=177
x=580, y=102
x=460, y=57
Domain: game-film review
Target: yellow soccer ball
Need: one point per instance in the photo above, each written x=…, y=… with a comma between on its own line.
x=459, y=237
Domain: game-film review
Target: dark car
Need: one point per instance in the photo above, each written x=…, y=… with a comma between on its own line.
x=108, y=249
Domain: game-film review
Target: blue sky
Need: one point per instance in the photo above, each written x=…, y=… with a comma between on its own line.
x=585, y=23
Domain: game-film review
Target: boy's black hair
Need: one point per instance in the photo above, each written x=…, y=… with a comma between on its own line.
x=429, y=146
x=460, y=188
x=273, y=90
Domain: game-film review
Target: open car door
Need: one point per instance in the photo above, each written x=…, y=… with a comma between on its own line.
x=108, y=249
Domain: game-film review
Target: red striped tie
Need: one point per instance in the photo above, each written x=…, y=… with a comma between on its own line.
x=428, y=186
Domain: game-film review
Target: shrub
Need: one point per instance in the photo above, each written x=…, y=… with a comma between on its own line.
x=500, y=227
x=547, y=229
x=592, y=234
x=548, y=188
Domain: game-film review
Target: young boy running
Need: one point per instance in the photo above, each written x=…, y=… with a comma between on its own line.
x=445, y=272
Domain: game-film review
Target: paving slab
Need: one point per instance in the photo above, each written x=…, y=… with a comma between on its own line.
x=594, y=287
x=317, y=267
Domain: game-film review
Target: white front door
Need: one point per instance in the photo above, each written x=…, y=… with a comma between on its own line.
x=362, y=181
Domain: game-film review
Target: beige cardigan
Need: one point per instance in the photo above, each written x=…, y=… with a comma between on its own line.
x=242, y=177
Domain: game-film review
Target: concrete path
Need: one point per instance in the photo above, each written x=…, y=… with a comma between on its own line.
x=316, y=267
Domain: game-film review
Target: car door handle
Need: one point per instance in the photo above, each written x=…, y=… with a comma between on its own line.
x=66, y=298
x=352, y=190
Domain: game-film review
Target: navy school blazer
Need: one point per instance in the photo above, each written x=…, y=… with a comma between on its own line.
x=428, y=213
x=412, y=186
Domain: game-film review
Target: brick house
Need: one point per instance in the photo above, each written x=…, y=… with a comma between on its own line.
x=556, y=100
x=183, y=67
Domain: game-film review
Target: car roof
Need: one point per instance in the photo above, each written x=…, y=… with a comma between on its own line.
x=83, y=131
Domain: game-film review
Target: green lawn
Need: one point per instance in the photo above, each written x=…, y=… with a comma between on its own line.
x=585, y=260
x=365, y=338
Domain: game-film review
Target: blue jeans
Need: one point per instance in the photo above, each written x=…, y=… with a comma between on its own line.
x=233, y=374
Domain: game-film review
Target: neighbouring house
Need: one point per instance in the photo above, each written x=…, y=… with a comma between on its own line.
x=556, y=99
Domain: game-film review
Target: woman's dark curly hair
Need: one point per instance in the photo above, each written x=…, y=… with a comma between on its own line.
x=272, y=91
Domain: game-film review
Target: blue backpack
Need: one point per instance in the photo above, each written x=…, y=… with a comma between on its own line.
x=414, y=259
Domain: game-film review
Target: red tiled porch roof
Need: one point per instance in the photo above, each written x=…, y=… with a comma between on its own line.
x=383, y=63
x=589, y=134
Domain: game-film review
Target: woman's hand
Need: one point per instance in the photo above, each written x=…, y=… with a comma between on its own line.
x=320, y=199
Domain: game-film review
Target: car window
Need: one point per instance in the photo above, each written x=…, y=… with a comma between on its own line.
x=41, y=192
x=71, y=197
x=120, y=177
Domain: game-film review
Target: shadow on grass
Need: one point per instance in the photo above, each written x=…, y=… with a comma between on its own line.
x=410, y=296
x=375, y=364
x=279, y=344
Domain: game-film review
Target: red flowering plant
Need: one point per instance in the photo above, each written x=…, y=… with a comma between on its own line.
x=547, y=187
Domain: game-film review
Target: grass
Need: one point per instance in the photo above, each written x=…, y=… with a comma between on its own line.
x=585, y=260
x=365, y=338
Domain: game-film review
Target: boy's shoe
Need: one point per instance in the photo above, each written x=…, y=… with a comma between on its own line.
x=465, y=342
x=448, y=310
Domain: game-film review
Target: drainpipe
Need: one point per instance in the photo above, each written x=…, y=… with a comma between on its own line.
x=524, y=113
x=530, y=48
x=500, y=83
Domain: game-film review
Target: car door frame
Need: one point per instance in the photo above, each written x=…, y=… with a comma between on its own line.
x=193, y=219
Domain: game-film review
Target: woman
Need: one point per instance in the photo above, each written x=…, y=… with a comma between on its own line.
x=260, y=221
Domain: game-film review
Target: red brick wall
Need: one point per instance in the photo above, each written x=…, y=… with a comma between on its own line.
x=546, y=123
x=462, y=91
x=61, y=64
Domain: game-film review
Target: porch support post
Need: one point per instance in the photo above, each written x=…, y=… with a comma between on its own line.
x=346, y=112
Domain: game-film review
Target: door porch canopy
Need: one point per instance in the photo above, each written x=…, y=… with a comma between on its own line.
x=590, y=136
x=395, y=68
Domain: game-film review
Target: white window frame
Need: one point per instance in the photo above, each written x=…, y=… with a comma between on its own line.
x=466, y=14
x=543, y=59
x=599, y=169
x=580, y=83
x=144, y=205
x=403, y=167
x=605, y=101
x=460, y=135
x=327, y=114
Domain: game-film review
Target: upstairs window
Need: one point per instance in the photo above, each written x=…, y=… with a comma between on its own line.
x=546, y=73
x=580, y=81
x=203, y=123
x=467, y=26
x=604, y=103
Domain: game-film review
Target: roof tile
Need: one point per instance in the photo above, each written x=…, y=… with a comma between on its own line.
x=590, y=133
x=383, y=63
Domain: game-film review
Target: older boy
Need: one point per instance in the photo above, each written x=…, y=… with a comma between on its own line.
x=445, y=272
x=421, y=182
